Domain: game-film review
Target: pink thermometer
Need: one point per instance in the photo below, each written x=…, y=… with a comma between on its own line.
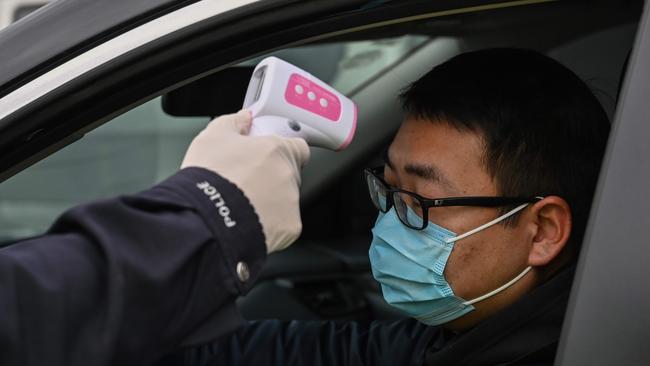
x=290, y=102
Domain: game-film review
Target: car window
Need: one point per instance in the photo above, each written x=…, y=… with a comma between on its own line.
x=145, y=145
x=346, y=66
x=123, y=156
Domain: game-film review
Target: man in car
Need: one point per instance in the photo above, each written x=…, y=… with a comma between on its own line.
x=483, y=199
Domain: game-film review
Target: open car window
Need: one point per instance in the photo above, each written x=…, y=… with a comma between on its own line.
x=145, y=145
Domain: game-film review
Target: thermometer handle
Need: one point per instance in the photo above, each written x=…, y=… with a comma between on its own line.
x=275, y=125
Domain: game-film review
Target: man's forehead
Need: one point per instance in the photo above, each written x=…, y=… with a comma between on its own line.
x=419, y=136
x=437, y=152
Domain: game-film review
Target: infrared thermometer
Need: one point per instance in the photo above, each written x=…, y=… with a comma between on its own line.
x=287, y=101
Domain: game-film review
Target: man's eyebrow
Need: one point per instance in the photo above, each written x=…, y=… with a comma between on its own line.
x=430, y=173
x=426, y=171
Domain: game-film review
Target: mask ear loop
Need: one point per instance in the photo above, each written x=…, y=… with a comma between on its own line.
x=486, y=225
x=512, y=281
x=494, y=292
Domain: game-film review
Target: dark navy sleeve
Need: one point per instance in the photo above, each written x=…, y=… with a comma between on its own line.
x=123, y=281
x=316, y=343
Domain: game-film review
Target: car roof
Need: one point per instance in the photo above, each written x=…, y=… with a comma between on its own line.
x=64, y=28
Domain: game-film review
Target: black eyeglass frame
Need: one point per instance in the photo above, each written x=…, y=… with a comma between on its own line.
x=426, y=203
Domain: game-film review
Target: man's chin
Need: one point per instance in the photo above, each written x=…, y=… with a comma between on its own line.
x=465, y=322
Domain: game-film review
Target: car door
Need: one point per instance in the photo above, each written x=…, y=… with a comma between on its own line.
x=607, y=321
x=134, y=55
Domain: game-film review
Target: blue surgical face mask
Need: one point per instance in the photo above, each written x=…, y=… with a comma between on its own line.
x=409, y=264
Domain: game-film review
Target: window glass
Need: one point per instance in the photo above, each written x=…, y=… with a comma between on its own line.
x=145, y=145
x=123, y=156
x=346, y=66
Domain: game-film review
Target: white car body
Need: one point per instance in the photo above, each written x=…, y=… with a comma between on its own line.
x=12, y=10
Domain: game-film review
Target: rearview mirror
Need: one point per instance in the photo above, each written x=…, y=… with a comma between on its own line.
x=220, y=93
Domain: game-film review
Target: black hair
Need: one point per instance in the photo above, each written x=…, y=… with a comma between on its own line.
x=544, y=131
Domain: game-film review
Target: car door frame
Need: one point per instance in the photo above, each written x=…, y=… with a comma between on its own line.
x=607, y=321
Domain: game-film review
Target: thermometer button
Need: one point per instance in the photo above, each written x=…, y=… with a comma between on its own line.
x=311, y=97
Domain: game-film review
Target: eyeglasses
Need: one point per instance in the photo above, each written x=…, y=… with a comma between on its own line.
x=413, y=209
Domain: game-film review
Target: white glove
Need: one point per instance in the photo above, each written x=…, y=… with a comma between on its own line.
x=265, y=168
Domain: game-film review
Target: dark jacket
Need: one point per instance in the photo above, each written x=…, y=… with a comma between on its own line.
x=526, y=333
x=126, y=280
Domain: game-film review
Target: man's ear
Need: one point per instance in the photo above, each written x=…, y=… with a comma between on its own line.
x=552, y=225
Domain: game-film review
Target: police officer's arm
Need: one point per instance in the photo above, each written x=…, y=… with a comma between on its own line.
x=123, y=281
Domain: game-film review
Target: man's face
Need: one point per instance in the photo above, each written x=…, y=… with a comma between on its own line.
x=436, y=160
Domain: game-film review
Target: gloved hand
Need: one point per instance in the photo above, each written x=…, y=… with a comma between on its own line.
x=265, y=168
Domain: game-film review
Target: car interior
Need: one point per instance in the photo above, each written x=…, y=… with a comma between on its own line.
x=326, y=274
